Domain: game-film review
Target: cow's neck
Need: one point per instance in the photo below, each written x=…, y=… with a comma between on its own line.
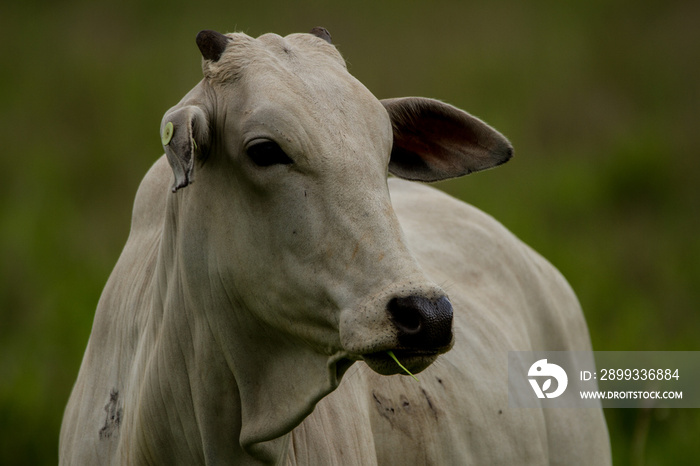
x=216, y=373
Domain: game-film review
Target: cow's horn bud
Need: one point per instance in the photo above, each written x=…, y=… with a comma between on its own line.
x=322, y=33
x=212, y=44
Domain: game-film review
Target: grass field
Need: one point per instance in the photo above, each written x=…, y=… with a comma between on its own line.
x=600, y=100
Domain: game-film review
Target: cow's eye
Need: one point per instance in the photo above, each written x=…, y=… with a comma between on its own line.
x=266, y=153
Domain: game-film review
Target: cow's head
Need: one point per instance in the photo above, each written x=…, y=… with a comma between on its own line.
x=290, y=218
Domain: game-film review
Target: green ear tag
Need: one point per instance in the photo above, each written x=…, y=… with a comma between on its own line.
x=167, y=133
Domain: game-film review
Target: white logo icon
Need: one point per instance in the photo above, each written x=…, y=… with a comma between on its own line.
x=542, y=369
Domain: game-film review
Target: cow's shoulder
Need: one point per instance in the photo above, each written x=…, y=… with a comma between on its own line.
x=444, y=229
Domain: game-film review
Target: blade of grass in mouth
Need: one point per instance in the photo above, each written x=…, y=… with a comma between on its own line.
x=393, y=356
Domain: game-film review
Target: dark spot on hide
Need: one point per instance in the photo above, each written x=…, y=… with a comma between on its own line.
x=383, y=405
x=430, y=403
x=114, y=416
x=386, y=409
x=407, y=413
x=500, y=411
x=406, y=405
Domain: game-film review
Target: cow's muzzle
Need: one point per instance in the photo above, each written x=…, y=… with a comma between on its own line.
x=411, y=319
x=423, y=329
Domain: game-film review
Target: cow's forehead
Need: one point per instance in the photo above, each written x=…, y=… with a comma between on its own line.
x=300, y=78
x=301, y=51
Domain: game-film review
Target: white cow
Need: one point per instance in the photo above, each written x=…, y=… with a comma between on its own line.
x=241, y=300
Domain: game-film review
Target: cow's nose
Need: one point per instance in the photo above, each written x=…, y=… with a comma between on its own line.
x=422, y=323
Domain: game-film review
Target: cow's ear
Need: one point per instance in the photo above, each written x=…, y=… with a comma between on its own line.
x=184, y=133
x=434, y=141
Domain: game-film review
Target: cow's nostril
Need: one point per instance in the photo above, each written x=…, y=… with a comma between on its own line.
x=405, y=315
x=422, y=323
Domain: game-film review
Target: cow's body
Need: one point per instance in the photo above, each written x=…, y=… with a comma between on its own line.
x=186, y=365
x=506, y=298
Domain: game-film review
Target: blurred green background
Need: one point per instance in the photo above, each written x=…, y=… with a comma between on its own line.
x=599, y=98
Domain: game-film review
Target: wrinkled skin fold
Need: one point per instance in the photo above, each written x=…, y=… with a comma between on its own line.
x=272, y=263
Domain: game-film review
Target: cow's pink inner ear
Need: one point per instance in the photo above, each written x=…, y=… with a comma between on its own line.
x=435, y=141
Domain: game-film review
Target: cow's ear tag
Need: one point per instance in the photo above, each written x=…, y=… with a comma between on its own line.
x=181, y=126
x=167, y=133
